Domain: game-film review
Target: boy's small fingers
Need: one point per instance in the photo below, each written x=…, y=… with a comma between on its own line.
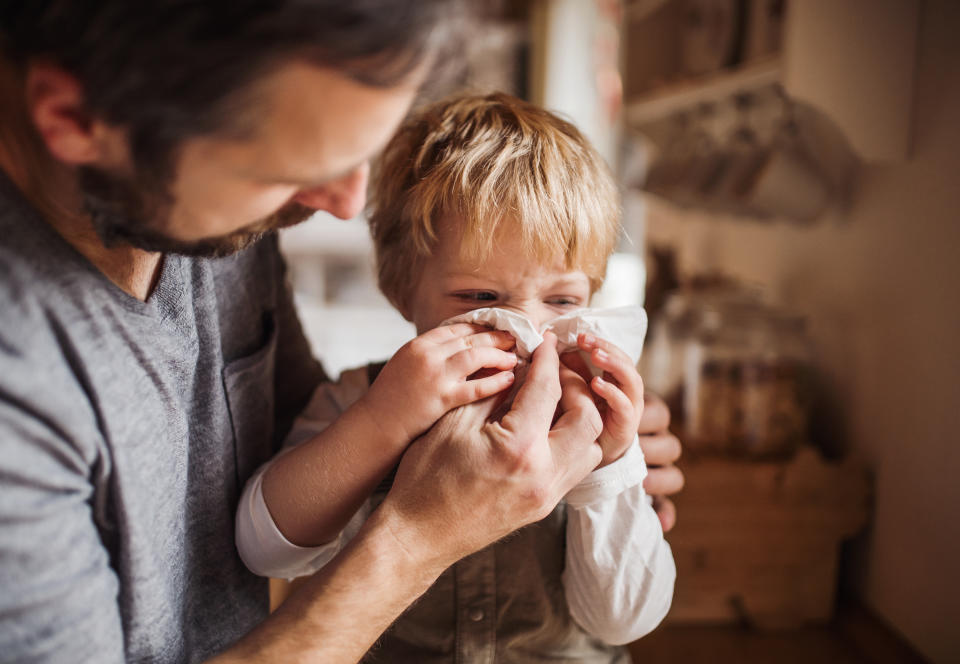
x=455, y=331
x=481, y=388
x=621, y=369
x=590, y=343
x=469, y=361
x=614, y=397
x=496, y=338
x=466, y=335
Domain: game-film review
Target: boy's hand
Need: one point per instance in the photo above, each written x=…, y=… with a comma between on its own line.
x=619, y=393
x=430, y=375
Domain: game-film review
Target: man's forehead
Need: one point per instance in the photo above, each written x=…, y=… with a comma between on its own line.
x=315, y=124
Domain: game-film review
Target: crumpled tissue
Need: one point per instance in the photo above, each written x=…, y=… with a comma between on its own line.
x=624, y=327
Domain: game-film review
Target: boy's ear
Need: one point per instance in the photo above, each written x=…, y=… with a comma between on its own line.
x=55, y=104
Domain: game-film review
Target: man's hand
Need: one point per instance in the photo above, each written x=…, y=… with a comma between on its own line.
x=661, y=449
x=430, y=375
x=469, y=481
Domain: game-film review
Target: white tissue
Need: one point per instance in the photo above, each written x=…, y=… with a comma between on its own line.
x=624, y=327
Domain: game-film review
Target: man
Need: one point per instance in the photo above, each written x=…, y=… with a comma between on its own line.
x=150, y=357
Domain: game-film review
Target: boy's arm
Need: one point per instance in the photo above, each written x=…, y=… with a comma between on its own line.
x=312, y=490
x=619, y=572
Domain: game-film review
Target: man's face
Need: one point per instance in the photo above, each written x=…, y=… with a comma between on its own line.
x=316, y=131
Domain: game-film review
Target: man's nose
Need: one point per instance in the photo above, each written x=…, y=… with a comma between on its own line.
x=343, y=197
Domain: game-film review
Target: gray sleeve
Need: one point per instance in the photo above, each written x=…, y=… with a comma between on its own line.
x=58, y=594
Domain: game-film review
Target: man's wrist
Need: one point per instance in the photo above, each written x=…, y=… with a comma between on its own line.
x=413, y=553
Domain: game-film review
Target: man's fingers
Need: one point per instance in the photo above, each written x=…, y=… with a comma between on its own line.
x=663, y=481
x=537, y=398
x=573, y=437
x=573, y=388
x=660, y=450
x=573, y=442
x=656, y=415
x=575, y=361
x=666, y=512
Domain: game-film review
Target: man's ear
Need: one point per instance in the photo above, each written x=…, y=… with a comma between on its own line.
x=55, y=104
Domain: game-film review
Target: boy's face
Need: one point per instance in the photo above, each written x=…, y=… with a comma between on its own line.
x=450, y=285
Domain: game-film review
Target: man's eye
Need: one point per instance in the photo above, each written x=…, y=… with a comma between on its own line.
x=476, y=296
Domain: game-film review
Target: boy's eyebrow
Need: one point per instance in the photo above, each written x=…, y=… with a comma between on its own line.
x=563, y=280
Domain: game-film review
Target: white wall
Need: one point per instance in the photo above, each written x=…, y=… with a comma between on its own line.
x=880, y=283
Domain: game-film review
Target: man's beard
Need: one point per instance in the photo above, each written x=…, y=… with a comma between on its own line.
x=126, y=213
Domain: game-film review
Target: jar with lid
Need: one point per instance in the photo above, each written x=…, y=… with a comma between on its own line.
x=745, y=383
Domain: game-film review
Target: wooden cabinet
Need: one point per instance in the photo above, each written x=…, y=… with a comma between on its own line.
x=759, y=542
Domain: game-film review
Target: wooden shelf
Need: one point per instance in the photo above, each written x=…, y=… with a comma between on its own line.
x=851, y=62
x=688, y=94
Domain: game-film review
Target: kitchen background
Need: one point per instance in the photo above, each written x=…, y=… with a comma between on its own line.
x=791, y=177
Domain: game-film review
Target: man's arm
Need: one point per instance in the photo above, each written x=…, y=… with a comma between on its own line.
x=58, y=592
x=461, y=486
x=337, y=614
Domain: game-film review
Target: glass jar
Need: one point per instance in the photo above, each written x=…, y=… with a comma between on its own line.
x=745, y=382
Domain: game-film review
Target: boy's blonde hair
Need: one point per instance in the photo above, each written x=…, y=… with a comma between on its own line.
x=490, y=160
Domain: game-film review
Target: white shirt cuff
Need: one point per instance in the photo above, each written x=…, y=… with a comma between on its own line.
x=611, y=480
x=264, y=549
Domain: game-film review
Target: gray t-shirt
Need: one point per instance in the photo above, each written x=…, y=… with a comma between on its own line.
x=127, y=431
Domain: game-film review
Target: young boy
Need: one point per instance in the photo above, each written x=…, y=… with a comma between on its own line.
x=480, y=202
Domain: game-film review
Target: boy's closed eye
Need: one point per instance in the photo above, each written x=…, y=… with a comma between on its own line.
x=476, y=296
x=488, y=298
